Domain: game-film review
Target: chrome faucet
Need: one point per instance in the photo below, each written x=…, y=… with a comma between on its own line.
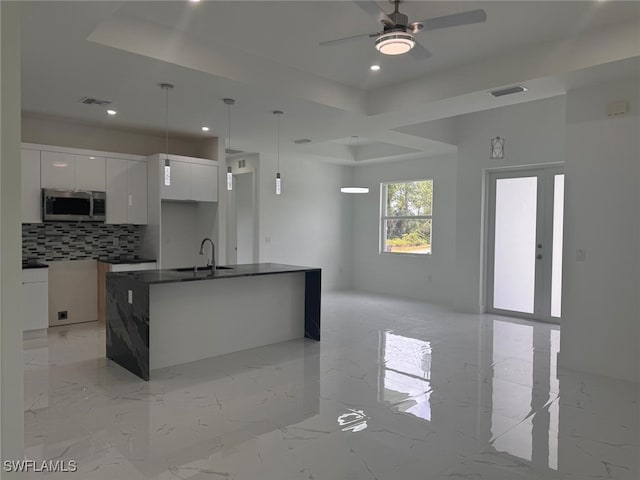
x=210, y=263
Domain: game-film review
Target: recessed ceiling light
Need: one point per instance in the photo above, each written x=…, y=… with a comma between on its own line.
x=205, y=129
x=375, y=68
x=92, y=158
x=194, y=1
x=111, y=112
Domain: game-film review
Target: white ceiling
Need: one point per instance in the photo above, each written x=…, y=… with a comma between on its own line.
x=266, y=55
x=289, y=32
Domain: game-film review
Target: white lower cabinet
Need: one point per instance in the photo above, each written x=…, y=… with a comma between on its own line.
x=35, y=298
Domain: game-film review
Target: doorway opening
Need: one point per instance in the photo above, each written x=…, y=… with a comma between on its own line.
x=242, y=220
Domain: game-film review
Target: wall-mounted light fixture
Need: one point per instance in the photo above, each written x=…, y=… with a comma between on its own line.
x=497, y=147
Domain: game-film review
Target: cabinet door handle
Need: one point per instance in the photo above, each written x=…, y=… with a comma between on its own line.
x=130, y=200
x=538, y=256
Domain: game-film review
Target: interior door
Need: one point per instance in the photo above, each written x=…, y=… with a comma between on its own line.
x=524, y=274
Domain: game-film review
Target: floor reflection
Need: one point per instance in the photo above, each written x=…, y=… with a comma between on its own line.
x=397, y=389
x=405, y=371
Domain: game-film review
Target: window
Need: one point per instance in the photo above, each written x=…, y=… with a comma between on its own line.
x=405, y=222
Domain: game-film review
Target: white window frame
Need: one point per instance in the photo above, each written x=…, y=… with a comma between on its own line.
x=384, y=217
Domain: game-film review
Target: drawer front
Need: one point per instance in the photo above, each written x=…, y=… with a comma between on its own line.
x=32, y=275
x=130, y=267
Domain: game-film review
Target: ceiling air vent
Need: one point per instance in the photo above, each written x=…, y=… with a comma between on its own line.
x=94, y=101
x=301, y=141
x=508, y=91
x=231, y=151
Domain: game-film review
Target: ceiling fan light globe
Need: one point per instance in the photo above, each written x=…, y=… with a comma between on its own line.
x=395, y=43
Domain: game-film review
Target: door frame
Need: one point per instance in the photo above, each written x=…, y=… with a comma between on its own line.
x=544, y=236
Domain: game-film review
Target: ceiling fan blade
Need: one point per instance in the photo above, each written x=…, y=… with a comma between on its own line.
x=418, y=52
x=455, y=20
x=374, y=10
x=346, y=39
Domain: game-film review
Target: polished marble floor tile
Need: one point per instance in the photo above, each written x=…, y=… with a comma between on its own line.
x=397, y=389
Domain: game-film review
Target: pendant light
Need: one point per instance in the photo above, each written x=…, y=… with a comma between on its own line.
x=167, y=163
x=277, y=113
x=228, y=102
x=354, y=145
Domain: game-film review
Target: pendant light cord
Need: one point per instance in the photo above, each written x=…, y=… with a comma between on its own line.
x=166, y=103
x=229, y=123
x=278, y=136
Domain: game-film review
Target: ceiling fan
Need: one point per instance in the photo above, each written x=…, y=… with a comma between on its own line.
x=397, y=36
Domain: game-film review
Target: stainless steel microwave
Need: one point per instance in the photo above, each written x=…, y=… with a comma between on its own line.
x=73, y=206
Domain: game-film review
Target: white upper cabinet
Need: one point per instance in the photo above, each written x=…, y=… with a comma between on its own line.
x=58, y=170
x=137, y=193
x=179, y=184
x=116, y=183
x=194, y=179
x=204, y=182
x=126, y=191
x=69, y=171
x=90, y=173
x=31, y=196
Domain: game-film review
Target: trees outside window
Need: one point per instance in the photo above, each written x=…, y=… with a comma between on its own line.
x=406, y=217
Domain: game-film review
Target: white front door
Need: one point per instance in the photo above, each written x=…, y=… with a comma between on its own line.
x=524, y=274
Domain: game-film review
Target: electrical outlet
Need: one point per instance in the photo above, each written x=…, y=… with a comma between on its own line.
x=63, y=315
x=116, y=242
x=130, y=296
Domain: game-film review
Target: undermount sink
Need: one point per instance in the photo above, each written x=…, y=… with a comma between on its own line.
x=200, y=269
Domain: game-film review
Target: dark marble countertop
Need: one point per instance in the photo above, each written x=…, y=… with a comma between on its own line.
x=125, y=260
x=151, y=277
x=33, y=264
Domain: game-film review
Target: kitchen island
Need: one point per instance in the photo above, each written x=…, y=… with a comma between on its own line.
x=159, y=318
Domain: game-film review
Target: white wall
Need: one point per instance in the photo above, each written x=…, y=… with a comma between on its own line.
x=600, y=314
x=67, y=133
x=534, y=134
x=183, y=226
x=11, y=383
x=426, y=277
x=310, y=223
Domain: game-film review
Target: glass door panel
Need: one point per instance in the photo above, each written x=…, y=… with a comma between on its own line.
x=556, y=258
x=515, y=244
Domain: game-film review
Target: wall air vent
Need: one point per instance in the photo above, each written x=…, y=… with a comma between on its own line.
x=508, y=91
x=301, y=141
x=94, y=101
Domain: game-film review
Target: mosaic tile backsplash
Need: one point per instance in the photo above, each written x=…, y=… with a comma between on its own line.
x=79, y=241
